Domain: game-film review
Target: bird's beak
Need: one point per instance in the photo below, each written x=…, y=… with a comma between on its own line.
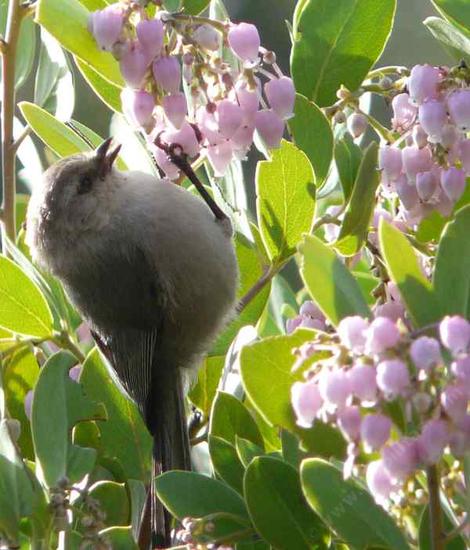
x=105, y=158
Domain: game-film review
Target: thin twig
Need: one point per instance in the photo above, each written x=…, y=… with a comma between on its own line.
x=257, y=287
x=455, y=532
x=14, y=17
x=19, y=140
x=64, y=341
x=435, y=512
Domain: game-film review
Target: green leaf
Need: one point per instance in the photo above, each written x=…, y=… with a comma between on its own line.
x=271, y=359
x=53, y=88
x=59, y=404
x=226, y=462
x=20, y=372
x=431, y=227
x=452, y=269
x=348, y=157
x=285, y=200
x=404, y=270
x=457, y=11
x=113, y=501
x=67, y=22
x=277, y=506
x=247, y=450
x=203, y=392
x=338, y=45
x=23, y=309
x=195, y=7
x=329, y=282
x=312, y=133
x=188, y=494
x=108, y=92
x=251, y=268
x=355, y=226
x=348, y=509
x=124, y=435
x=230, y=418
x=450, y=37
x=16, y=487
x=120, y=538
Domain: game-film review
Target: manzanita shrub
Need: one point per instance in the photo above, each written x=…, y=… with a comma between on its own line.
x=331, y=416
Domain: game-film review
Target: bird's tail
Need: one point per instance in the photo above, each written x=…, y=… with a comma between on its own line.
x=166, y=420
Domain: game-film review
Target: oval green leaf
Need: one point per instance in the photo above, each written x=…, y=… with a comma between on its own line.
x=347, y=509
x=285, y=200
x=277, y=506
x=23, y=308
x=330, y=283
x=337, y=45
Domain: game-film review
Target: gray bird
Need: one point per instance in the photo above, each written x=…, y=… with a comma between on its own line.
x=152, y=270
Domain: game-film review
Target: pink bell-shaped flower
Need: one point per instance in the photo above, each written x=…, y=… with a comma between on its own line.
x=426, y=185
x=106, y=26
x=134, y=64
x=220, y=156
x=404, y=112
x=138, y=106
x=245, y=41
x=393, y=377
x=185, y=137
x=416, y=160
x=453, y=182
x=207, y=37
x=176, y=108
x=459, y=108
x=351, y=331
x=167, y=73
x=423, y=83
x=280, y=93
x=375, y=431
x=150, y=35
x=390, y=162
x=270, y=127
x=432, y=117
x=229, y=117
x=306, y=402
x=425, y=352
x=455, y=334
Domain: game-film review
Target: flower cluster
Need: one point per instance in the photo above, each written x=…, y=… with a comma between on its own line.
x=221, y=66
x=378, y=362
x=428, y=164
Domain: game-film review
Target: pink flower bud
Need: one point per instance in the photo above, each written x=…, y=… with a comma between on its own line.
x=455, y=334
x=315, y=324
x=229, y=117
x=207, y=37
x=392, y=310
x=220, y=157
x=357, y=124
x=432, y=441
x=349, y=422
x=167, y=73
x=245, y=41
x=138, y=106
x=453, y=183
x=425, y=352
x=292, y=324
x=426, y=185
x=433, y=116
x=416, y=160
x=401, y=458
x=106, y=26
x=459, y=108
x=362, y=380
x=311, y=309
x=464, y=149
x=185, y=137
x=334, y=387
x=382, y=334
x=351, y=331
x=379, y=482
x=393, y=377
x=74, y=372
x=460, y=438
x=306, y=402
x=407, y=193
x=404, y=112
x=133, y=64
x=423, y=83
x=449, y=135
x=390, y=162
x=420, y=138
x=28, y=404
x=175, y=108
x=280, y=93
x=375, y=431
x=150, y=34
x=454, y=400
x=461, y=369
x=243, y=137
x=270, y=128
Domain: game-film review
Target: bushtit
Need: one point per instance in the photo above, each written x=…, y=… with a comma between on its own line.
x=153, y=272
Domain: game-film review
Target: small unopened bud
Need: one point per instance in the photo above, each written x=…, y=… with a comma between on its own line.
x=339, y=117
x=269, y=58
x=352, y=333
x=455, y=334
x=207, y=37
x=381, y=334
x=425, y=352
x=357, y=124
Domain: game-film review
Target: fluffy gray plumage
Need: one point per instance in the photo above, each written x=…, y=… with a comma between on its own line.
x=150, y=268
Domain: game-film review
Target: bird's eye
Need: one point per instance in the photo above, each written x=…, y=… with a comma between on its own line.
x=85, y=183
